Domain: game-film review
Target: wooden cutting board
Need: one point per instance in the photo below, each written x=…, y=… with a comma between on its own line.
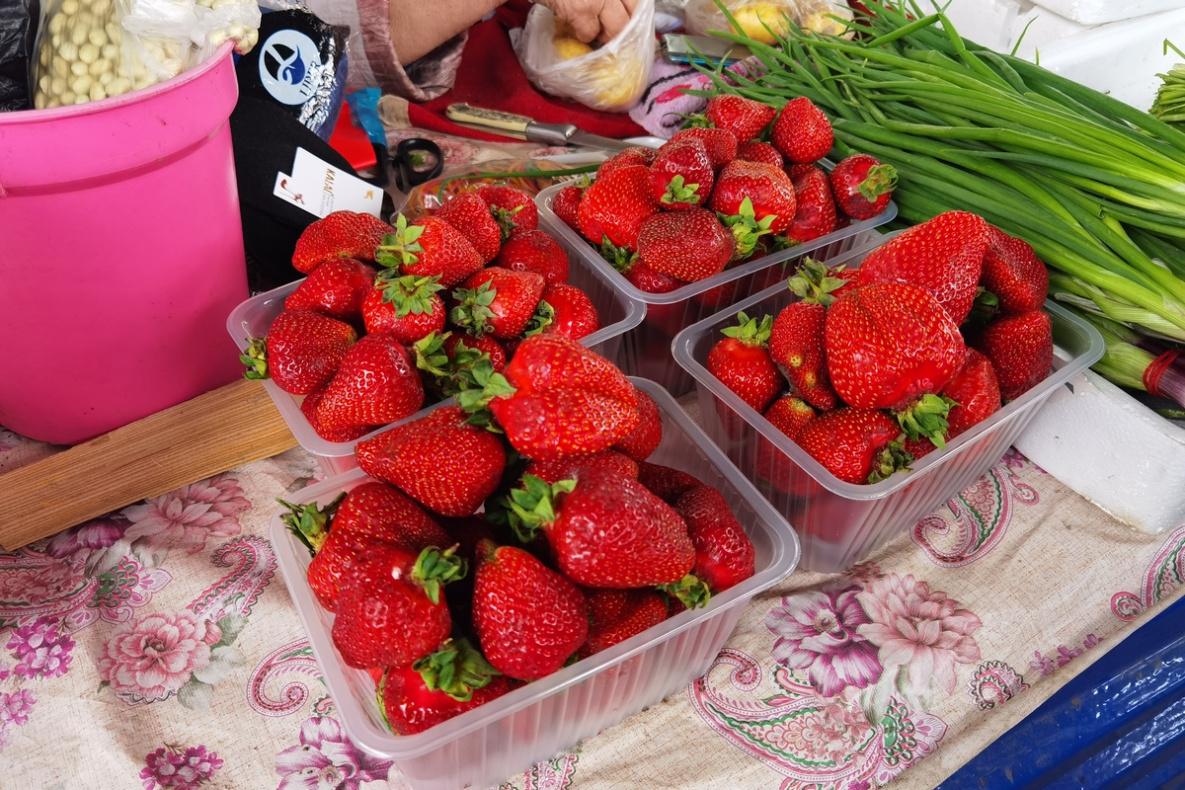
x=219, y=430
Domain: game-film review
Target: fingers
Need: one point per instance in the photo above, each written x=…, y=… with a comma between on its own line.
x=585, y=27
x=614, y=16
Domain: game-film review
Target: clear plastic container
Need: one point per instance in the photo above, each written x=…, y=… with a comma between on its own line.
x=839, y=523
x=646, y=350
x=252, y=318
x=489, y=744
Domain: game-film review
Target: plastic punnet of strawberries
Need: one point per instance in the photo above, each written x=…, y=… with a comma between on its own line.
x=503, y=537
x=389, y=315
x=874, y=367
x=742, y=180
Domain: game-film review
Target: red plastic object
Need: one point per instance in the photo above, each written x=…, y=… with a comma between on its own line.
x=351, y=141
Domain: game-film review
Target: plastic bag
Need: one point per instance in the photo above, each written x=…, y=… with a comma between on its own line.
x=611, y=78
x=18, y=28
x=91, y=49
x=755, y=16
x=431, y=195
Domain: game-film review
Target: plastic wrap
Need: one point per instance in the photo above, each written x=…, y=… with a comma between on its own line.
x=18, y=29
x=761, y=20
x=612, y=77
x=431, y=195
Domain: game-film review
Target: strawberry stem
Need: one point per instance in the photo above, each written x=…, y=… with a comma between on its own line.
x=400, y=248
x=749, y=331
x=691, y=590
x=815, y=282
x=472, y=311
x=255, y=359
x=533, y=506
x=408, y=294
x=435, y=568
x=679, y=192
x=880, y=180
x=892, y=458
x=309, y=523
x=544, y=317
x=926, y=417
x=457, y=668
x=480, y=386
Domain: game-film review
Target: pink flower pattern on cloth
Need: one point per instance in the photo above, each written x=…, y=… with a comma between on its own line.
x=151, y=658
x=326, y=758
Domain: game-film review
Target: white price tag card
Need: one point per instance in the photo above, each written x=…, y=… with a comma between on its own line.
x=320, y=188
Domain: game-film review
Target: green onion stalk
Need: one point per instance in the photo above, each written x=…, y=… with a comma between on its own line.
x=1095, y=186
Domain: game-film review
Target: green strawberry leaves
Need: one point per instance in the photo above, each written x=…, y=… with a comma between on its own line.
x=529, y=508
x=927, y=417
x=746, y=229
x=892, y=458
x=400, y=248
x=408, y=294
x=678, y=192
x=881, y=180
x=255, y=359
x=309, y=523
x=749, y=330
x=435, y=568
x=691, y=590
x=457, y=668
x=815, y=282
x=472, y=311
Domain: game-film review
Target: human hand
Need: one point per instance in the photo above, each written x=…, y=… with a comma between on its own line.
x=591, y=20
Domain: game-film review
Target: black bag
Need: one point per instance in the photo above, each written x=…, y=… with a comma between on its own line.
x=18, y=34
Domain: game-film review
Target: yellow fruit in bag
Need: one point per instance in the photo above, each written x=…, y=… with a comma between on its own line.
x=756, y=20
x=567, y=47
x=616, y=80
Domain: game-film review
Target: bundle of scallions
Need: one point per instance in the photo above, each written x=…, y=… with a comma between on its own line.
x=1095, y=186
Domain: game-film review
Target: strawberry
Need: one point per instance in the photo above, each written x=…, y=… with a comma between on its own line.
x=801, y=131
x=944, y=255
x=1013, y=272
x=390, y=611
x=1020, y=348
x=788, y=414
x=335, y=288
x=753, y=198
x=616, y=615
x=605, y=529
x=471, y=215
x=689, y=245
x=440, y=460
x=634, y=155
x=408, y=308
x=665, y=482
x=721, y=144
x=666, y=318
x=615, y=205
x=497, y=301
x=455, y=345
x=862, y=185
x=566, y=203
x=681, y=175
x=567, y=468
x=796, y=342
x=529, y=619
x=302, y=351
x=535, y=251
x=342, y=433
x=376, y=384
x=758, y=151
x=814, y=214
x=645, y=438
x=745, y=118
x=565, y=310
x=724, y=555
x=341, y=234
x=976, y=395
x=742, y=362
x=513, y=209
x=429, y=247
x=439, y=686
x=855, y=445
x=892, y=346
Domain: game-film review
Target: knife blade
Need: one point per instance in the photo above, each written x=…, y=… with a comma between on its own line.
x=523, y=127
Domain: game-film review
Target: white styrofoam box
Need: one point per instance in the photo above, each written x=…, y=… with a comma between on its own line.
x=991, y=23
x=1111, y=449
x=1101, y=12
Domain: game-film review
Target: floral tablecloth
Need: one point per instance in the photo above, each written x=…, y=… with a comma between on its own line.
x=155, y=647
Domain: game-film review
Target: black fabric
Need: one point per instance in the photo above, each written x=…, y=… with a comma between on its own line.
x=266, y=137
x=18, y=31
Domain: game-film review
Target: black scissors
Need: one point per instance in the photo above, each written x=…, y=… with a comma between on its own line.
x=415, y=161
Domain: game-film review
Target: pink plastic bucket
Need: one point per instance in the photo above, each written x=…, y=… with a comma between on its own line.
x=121, y=254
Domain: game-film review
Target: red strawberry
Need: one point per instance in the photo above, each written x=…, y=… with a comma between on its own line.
x=390, y=611
x=645, y=438
x=566, y=202
x=667, y=318
x=497, y=301
x=567, y=468
x=376, y=384
x=535, y=251
x=976, y=395
x=788, y=414
x=724, y=555
x=855, y=445
x=944, y=255
x=862, y=185
x=634, y=155
x=745, y=118
x=796, y=346
x=757, y=151
x=429, y=247
x=514, y=209
x=407, y=308
x=689, y=245
x=440, y=460
x=753, y=198
x=455, y=345
x=565, y=310
x=1020, y=348
x=892, y=346
x=681, y=175
x=344, y=433
x=529, y=619
x=742, y=363
x=470, y=214
x=615, y=205
x=335, y=288
x=721, y=144
x=454, y=679
x=667, y=483
x=616, y=615
x=814, y=214
x=341, y=234
x=1014, y=273
x=801, y=131
x=301, y=352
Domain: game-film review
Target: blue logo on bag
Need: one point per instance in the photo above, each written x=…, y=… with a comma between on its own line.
x=287, y=62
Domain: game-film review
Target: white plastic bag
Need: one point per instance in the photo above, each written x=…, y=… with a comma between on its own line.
x=611, y=78
x=755, y=16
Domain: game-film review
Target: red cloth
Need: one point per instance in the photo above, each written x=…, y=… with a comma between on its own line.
x=491, y=76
